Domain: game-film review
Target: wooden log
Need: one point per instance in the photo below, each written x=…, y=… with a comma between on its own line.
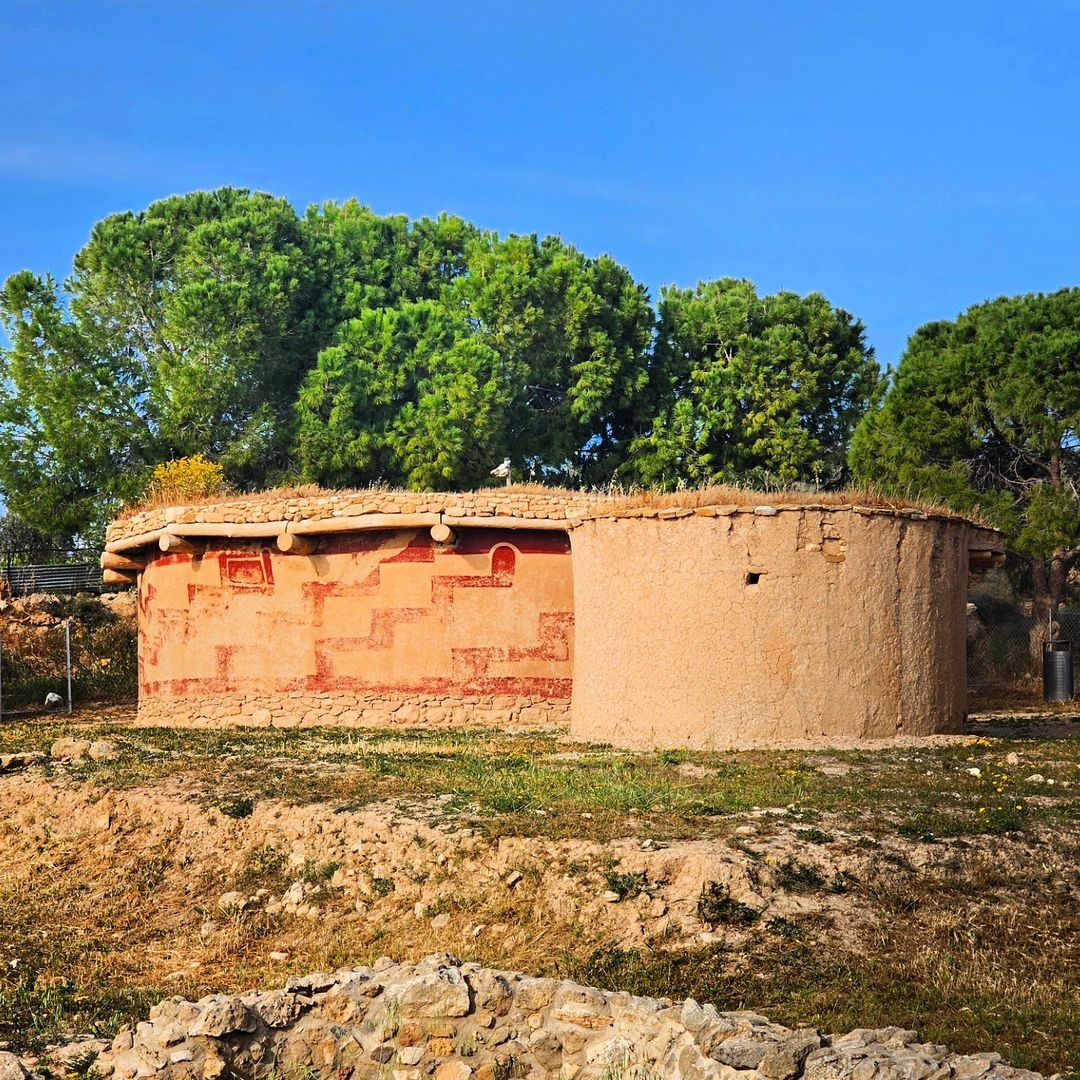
x=443, y=534
x=979, y=561
x=229, y=530
x=363, y=522
x=292, y=544
x=110, y=560
x=138, y=540
x=177, y=545
x=118, y=577
x=543, y=524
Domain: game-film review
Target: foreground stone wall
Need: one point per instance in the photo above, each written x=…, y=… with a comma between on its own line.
x=385, y=626
x=455, y=1021
x=720, y=627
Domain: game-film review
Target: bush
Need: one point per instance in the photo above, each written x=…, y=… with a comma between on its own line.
x=104, y=653
x=186, y=478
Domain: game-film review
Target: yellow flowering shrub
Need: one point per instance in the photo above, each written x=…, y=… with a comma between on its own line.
x=186, y=479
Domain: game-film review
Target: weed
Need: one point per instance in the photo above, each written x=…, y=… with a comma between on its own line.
x=318, y=873
x=236, y=806
x=382, y=886
x=909, y=830
x=717, y=905
x=785, y=928
x=263, y=867
x=83, y=1064
x=749, y=852
x=795, y=876
x=814, y=836
x=625, y=885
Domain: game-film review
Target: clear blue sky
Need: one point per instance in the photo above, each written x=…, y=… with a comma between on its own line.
x=906, y=159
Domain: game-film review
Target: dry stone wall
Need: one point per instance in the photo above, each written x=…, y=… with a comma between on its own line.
x=296, y=709
x=452, y=1021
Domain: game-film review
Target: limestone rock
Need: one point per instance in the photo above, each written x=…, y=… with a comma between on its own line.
x=11, y=1068
x=222, y=1015
x=69, y=749
x=441, y=993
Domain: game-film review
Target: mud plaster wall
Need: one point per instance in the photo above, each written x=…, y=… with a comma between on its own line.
x=377, y=627
x=704, y=632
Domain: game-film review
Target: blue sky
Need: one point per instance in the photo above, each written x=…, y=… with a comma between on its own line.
x=907, y=160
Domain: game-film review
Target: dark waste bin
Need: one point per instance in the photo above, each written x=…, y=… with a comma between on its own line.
x=1057, y=670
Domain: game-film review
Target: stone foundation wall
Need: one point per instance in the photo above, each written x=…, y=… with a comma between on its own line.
x=452, y=1021
x=300, y=710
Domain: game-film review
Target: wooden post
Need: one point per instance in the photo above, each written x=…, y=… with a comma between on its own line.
x=177, y=545
x=443, y=534
x=67, y=648
x=293, y=544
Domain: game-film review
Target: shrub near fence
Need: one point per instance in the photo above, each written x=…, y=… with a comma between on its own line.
x=33, y=662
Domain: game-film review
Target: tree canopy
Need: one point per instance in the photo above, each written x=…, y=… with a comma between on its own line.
x=350, y=348
x=763, y=389
x=983, y=413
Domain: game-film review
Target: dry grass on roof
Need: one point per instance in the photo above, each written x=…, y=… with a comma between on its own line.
x=719, y=495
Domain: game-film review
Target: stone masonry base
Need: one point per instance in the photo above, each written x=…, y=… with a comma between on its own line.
x=302, y=710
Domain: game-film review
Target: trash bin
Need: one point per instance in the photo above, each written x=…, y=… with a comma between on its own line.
x=1057, y=670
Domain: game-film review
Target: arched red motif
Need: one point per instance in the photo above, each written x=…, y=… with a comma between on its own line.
x=503, y=562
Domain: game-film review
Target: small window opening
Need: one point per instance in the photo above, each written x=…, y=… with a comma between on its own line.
x=753, y=577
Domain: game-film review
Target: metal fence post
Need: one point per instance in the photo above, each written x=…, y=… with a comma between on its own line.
x=67, y=644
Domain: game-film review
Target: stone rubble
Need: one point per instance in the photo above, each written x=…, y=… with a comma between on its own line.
x=444, y=1019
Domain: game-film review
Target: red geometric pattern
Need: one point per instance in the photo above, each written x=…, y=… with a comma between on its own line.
x=371, y=613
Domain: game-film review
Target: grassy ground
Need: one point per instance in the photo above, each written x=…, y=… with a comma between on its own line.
x=988, y=959
x=536, y=785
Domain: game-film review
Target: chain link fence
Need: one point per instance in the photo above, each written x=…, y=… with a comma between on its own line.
x=37, y=656
x=999, y=632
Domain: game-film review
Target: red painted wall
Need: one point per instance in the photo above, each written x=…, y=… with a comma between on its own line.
x=378, y=613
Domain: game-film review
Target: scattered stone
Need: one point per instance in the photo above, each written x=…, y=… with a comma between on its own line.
x=70, y=749
x=11, y=1068
x=231, y=902
x=514, y=878
x=103, y=750
x=13, y=762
